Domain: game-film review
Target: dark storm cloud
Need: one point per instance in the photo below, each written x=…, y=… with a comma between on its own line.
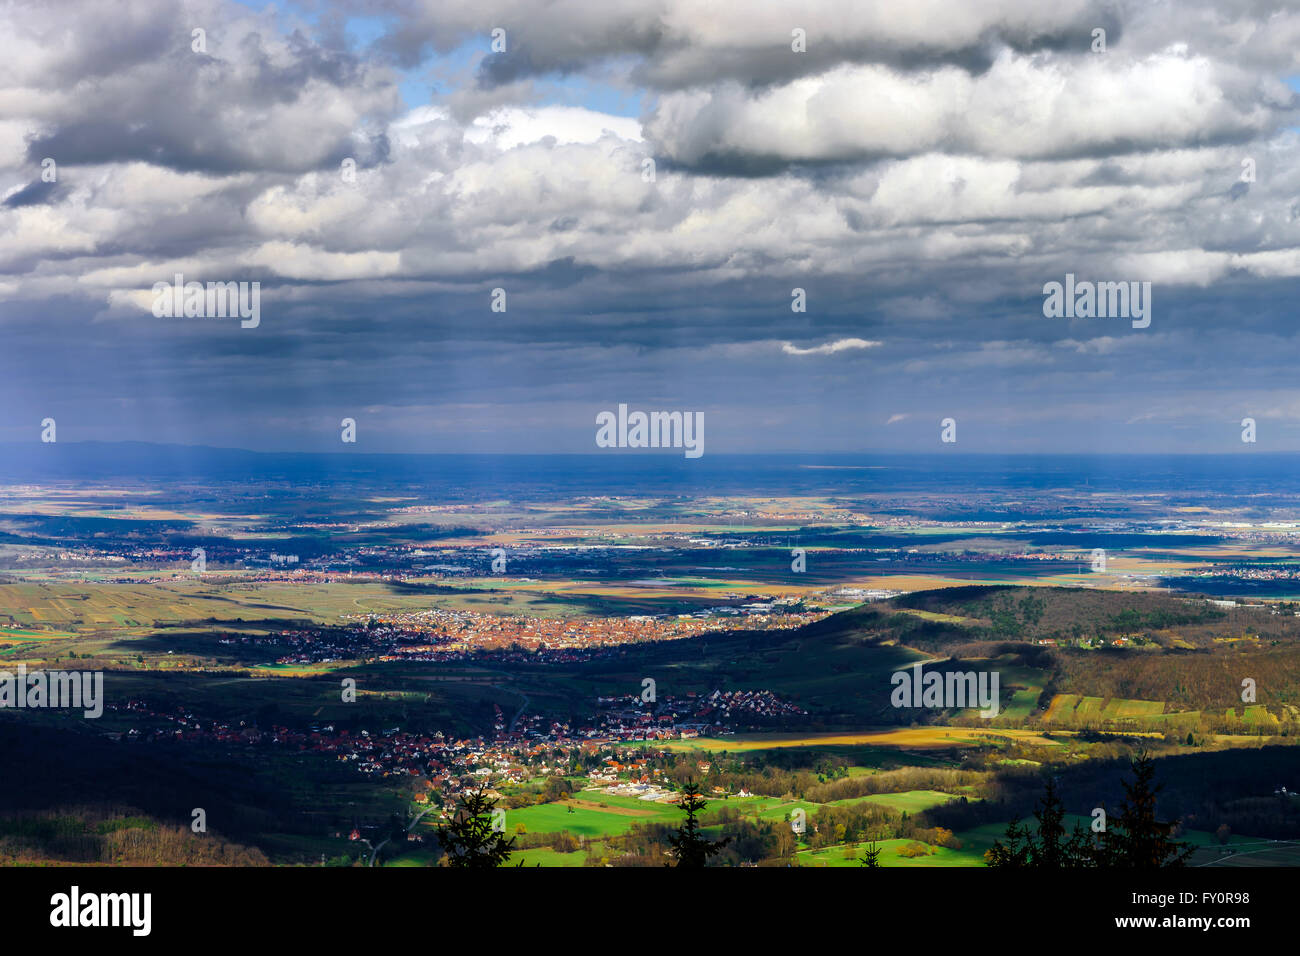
x=114, y=87
x=32, y=194
x=679, y=44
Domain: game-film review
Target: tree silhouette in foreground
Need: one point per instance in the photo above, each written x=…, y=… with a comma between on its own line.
x=469, y=839
x=872, y=855
x=1139, y=841
x=690, y=847
x=1050, y=847
x=1136, y=839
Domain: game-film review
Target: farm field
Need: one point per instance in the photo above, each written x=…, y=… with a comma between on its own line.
x=138, y=608
x=1239, y=850
x=913, y=801
x=547, y=857
x=585, y=821
x=834, y=856
x=580, y=821
x=1067, y=706
x=905, y=737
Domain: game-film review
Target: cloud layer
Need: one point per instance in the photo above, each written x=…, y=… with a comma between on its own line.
x=918, y=172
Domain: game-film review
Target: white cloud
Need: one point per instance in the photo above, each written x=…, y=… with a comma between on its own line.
x=513, y=126
x=1026, y=106
x=830, y=348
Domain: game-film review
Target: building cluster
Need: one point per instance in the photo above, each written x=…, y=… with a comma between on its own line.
x=529, y=748
x=721, y=711
x=443, y=634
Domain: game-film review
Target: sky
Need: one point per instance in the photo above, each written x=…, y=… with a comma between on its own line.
x=648, y=183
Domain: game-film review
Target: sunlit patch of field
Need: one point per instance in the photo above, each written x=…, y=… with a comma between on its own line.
x=769, y=809
x=890, y=855
x=930, y=531
x=1066, y=579
x=925, y=582
x=643, y=588
x=1142, y=561
x=582, y=821
x=920, y=582
x=936, y=616
x=1062, y=706
x=72, y=506
x=1113, y=579
x=1118, y=707
x=299, y=670
x=1067, y=706
x=1256, y=714
x=612, y=800
x=913, y=801
x=612, y=808
x=1231, y=550
x=904, y=737
x=10, y=636
x=90, y=606
x=1089, y=707
x=546, y=857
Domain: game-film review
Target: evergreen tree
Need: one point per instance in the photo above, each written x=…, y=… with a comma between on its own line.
x=469, y=839
x=1138, y=840
x=872, y=855
x=1053, y=849
x=1049, y=848
x=1015, y=852
x=690, y=847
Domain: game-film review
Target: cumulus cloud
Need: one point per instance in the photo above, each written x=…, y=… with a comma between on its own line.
x=113, y=84
x=680, y=43
x=1024, y=107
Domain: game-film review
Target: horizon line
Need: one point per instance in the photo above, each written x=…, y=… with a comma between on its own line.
x=648, y=453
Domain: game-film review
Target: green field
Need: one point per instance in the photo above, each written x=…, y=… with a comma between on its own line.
x=555, y=817
x=913, y=801
x=889, y=856
x=547, y=857
x=1073, y=706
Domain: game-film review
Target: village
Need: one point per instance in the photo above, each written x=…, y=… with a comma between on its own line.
x=530, y=748
x=449, y=635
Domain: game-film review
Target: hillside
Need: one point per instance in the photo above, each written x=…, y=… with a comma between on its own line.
x=1138, y=654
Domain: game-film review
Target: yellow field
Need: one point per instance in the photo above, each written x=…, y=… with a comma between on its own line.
x=936, y=616
x=86, y=607
x=916, y=738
